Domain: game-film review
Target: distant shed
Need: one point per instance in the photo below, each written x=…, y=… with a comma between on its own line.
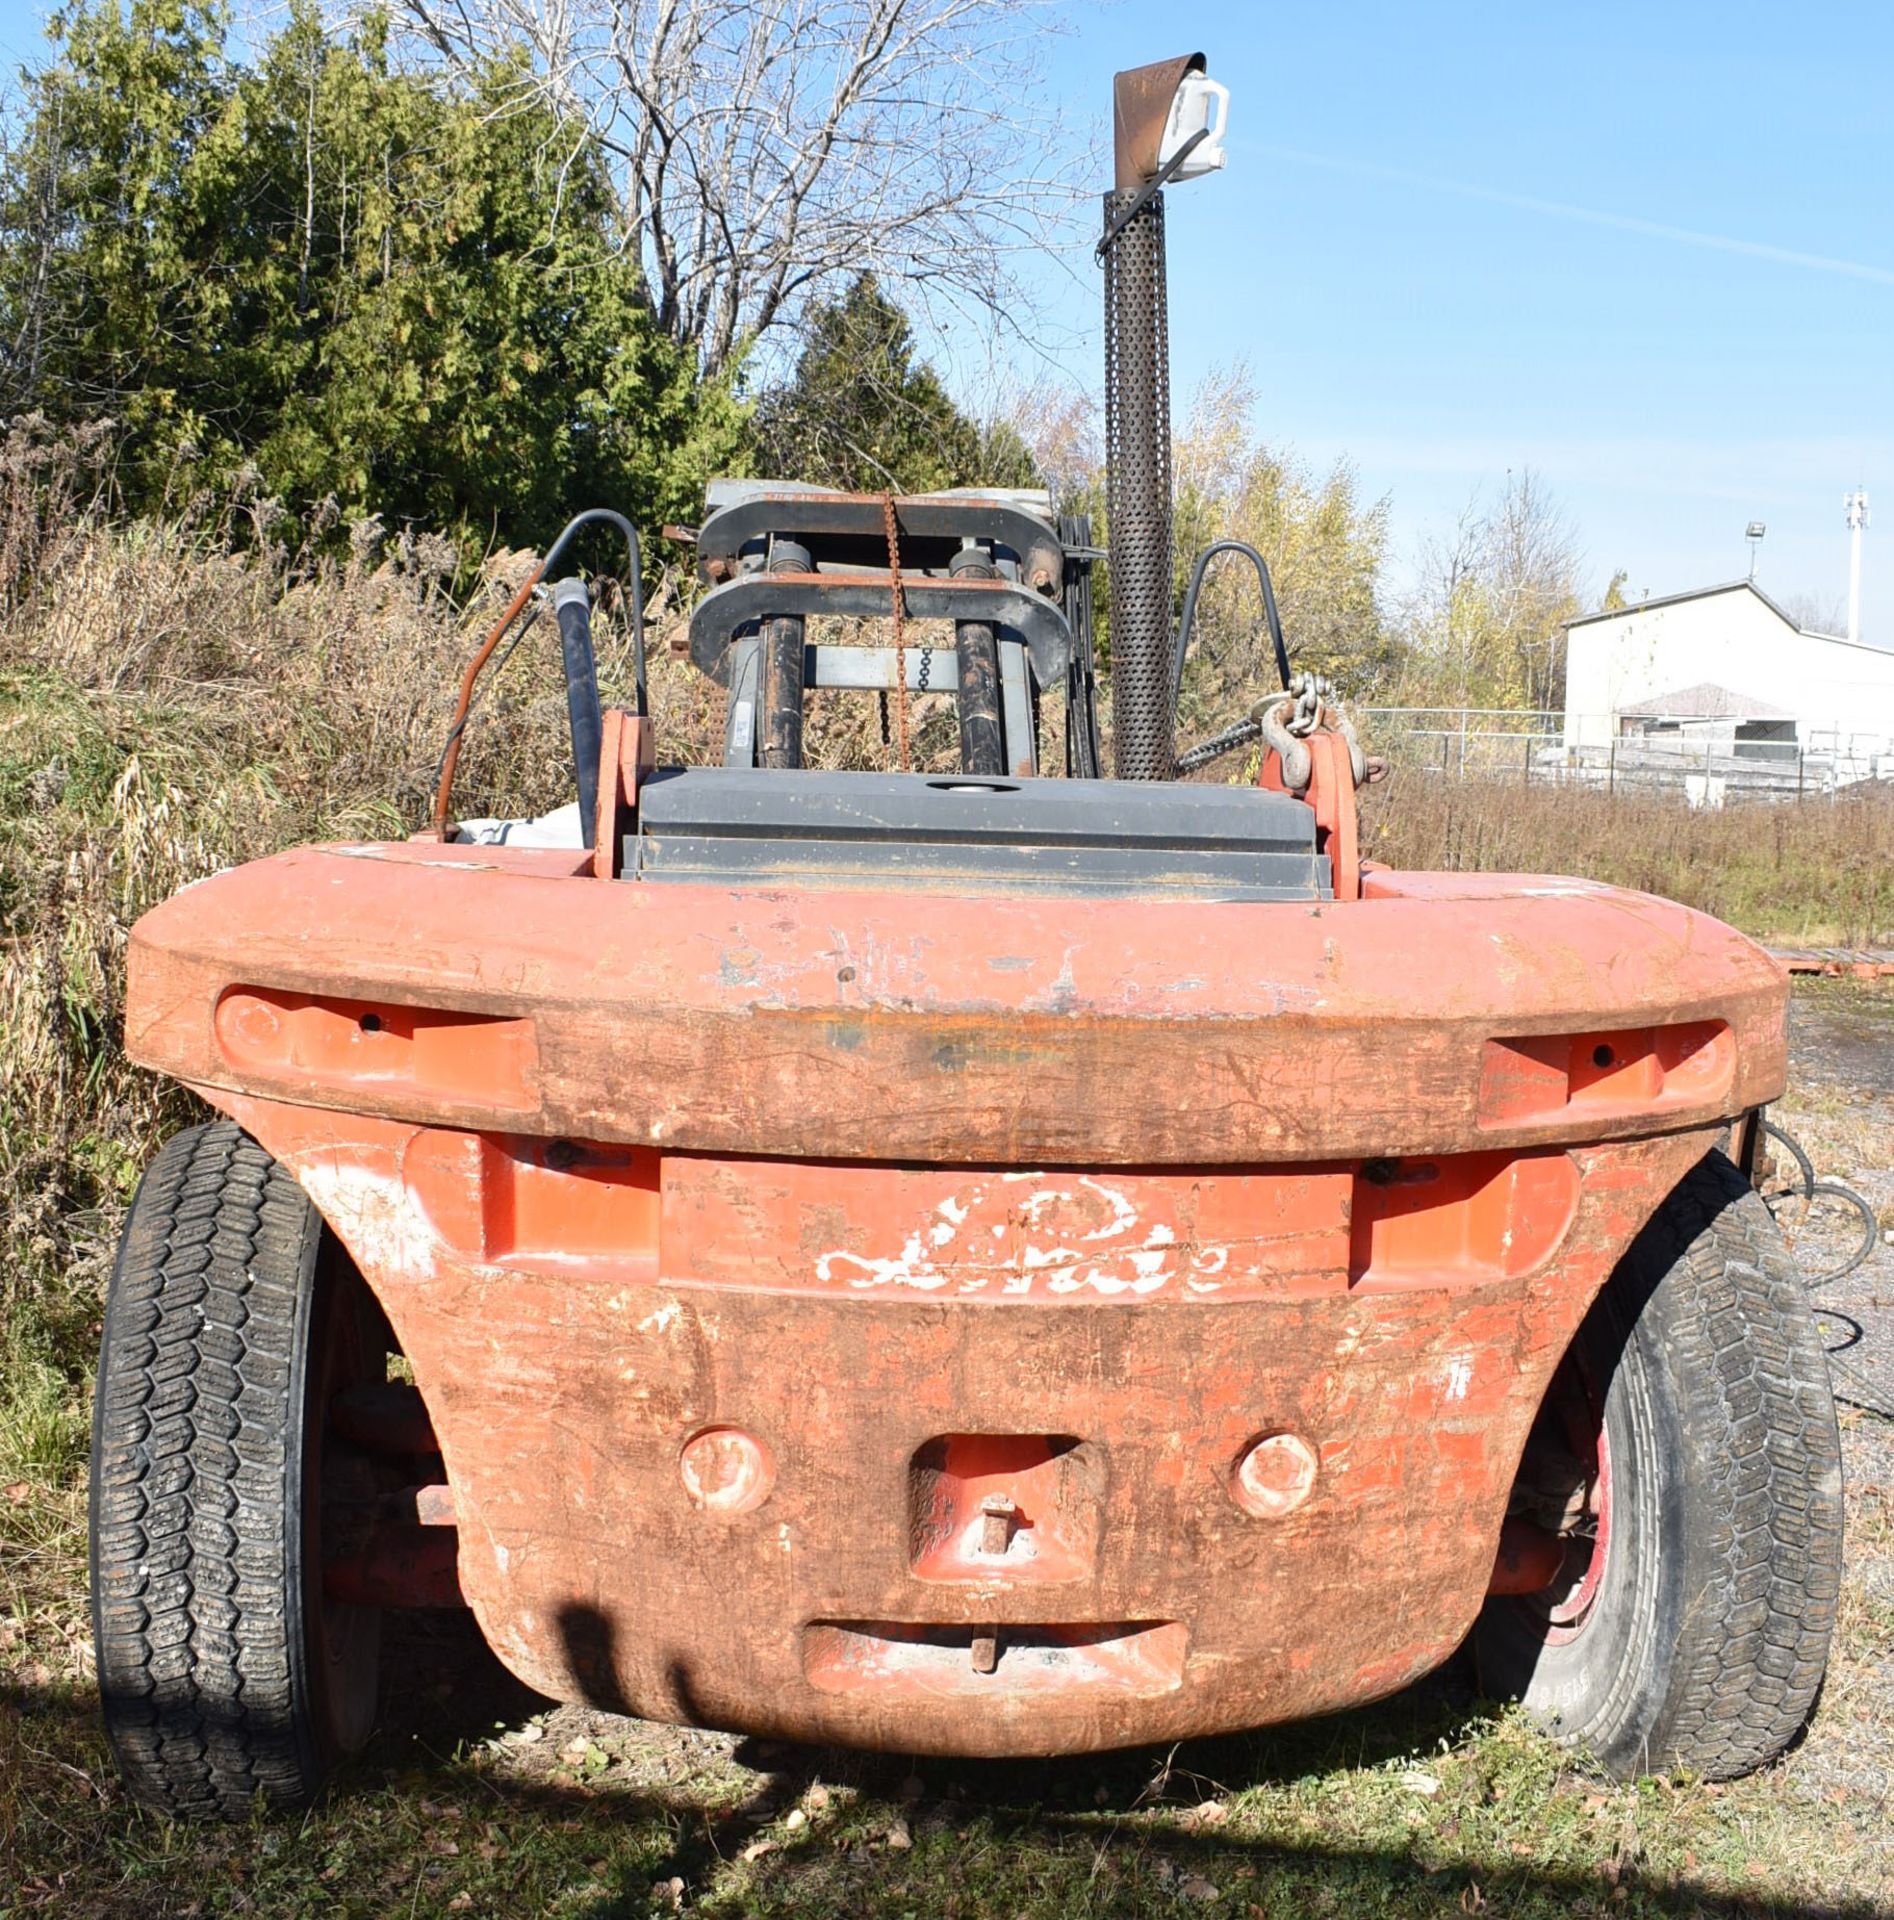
x=1727, y=665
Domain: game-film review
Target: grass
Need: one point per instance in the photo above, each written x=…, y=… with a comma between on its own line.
x=170, y=704
x=1818, y=872
x=470, y=1805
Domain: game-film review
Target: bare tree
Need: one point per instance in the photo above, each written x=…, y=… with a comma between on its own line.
x=1816, y=612
x=1486, y=621
x=765, y=148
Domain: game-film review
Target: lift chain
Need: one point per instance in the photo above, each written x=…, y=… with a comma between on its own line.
x=899, y=601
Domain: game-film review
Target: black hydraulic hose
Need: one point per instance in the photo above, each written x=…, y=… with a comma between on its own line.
x=450, y=747
x=1190, y=610
x=572, y=608
x=635, y=584
x=1807, y=1188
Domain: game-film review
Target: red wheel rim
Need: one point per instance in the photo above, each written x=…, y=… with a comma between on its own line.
x=1572, y=1421
x=344, y=1641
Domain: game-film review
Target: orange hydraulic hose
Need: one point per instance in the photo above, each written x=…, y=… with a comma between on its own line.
x=451, y=758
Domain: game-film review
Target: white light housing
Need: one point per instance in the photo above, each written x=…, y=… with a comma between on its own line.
x=1199, y=105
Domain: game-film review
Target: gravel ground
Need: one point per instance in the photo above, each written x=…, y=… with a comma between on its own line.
x=1842, y=1053
x=1841, y=1107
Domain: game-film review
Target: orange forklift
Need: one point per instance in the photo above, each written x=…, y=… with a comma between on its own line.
x=968, y=1264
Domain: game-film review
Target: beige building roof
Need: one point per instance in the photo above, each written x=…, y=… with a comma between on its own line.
x=1704, y=702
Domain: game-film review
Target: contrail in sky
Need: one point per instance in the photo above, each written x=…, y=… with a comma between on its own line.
x=1590, y=216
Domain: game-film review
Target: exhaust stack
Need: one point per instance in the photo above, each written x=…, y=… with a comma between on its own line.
x=1162, y=131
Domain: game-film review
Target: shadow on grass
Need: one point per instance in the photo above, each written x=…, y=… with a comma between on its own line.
x=1006, y=1839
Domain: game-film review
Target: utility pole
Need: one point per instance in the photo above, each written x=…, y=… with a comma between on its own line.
x=1856, y=504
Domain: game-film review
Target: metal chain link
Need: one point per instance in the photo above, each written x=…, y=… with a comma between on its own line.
x=899, y=600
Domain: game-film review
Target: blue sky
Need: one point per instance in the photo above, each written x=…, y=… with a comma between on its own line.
x=1455, y=237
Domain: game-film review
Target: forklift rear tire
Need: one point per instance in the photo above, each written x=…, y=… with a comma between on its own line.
x=233, y=1318
x=1689, y=1630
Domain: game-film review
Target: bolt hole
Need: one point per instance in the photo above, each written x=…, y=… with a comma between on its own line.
x=845, y=974
x=1602, y=1056
x=370, y=1023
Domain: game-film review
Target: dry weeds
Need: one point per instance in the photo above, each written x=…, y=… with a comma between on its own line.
x=1817, y=872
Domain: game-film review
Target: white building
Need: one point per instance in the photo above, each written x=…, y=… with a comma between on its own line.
x=1724, y=670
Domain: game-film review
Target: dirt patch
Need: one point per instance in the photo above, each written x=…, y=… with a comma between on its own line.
x=1841, y=1038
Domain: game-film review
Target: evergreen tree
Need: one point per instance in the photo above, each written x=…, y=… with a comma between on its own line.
x=865, y=413
x=369, y=286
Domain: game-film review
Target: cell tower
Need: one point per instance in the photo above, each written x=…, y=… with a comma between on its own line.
x=1856, y=504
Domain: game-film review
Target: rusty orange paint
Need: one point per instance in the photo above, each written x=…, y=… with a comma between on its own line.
x=627, y=752
x=564, y=1390
x=1331, y=798
x=849, y=1316
x=1010, y=1032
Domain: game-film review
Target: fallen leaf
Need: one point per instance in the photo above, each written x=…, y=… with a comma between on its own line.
x=461, y=1903
x=1206, y=1813
x=1417, y=1782
x=899, y=1838
x=795, y=1818
x=817, y=1798
x=1194, y=1886
x=19, y=1492
x=756, y=1849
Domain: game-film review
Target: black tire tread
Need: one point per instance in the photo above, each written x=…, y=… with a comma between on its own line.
x=1763, y=1466
x=194, y=1528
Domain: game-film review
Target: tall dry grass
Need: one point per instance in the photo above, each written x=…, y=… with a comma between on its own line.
x=176, y=697
x=1817, y=872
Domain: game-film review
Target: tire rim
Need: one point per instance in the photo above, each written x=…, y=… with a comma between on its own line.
x=1569, y=1444
x=344, y=1641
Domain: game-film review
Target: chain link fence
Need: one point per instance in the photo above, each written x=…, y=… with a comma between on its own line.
x=1707, y=764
